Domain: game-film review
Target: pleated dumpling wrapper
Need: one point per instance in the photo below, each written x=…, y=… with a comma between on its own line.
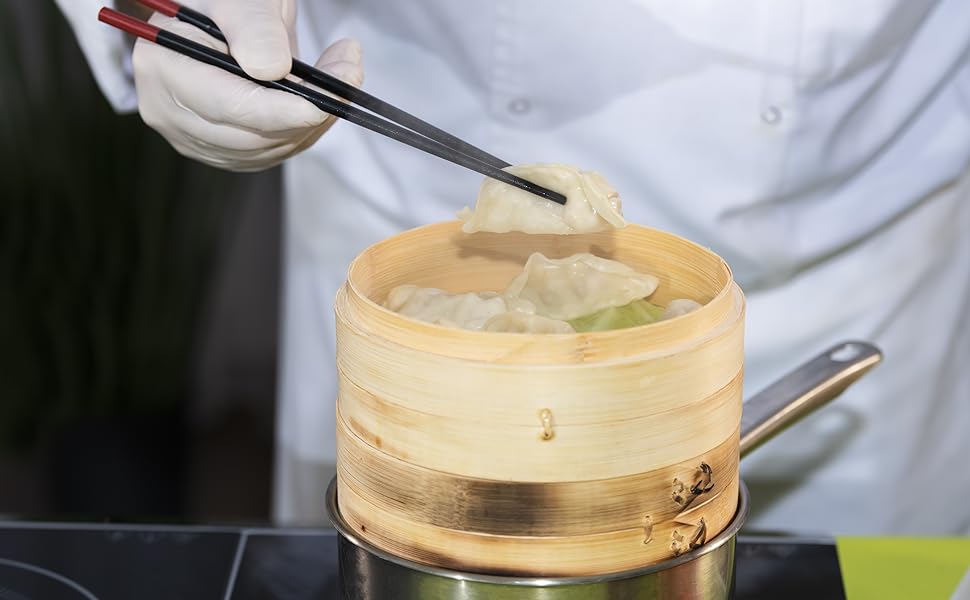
x=477, y=311
x=466, y=311
x=679, y=307
x=521, y=322
x=591, y=203
x=578, y=285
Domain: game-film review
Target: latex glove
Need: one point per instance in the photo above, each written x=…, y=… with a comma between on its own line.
x=223, y=120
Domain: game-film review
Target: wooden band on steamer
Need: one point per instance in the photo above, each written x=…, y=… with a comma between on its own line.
x=596, y=392
x=529, y=508
x=542, y=451
x=537, y=556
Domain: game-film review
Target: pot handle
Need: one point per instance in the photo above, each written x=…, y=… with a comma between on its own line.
x=805, y=389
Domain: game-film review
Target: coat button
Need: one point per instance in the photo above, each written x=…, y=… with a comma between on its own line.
x=520, y=106
x=771, y=115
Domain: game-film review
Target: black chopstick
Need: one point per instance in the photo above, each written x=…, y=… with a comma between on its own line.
x=325, y=103
x=335, y=86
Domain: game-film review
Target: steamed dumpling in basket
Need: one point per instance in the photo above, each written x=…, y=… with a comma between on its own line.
x=486, y=311
x=578, y=285
x=466, y=311
x=578, y=293
x=520, y=322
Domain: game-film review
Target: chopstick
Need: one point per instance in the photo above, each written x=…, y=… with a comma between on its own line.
x=326, y=103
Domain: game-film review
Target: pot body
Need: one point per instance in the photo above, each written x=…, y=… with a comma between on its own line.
x=368, y=573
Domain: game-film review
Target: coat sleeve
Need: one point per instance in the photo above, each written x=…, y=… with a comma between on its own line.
x=107, y=50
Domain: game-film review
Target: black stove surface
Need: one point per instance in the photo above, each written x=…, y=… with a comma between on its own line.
x=51, y=561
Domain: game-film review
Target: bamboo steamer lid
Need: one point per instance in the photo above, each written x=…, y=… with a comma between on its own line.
x=537, y=454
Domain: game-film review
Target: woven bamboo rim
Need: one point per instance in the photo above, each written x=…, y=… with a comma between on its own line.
x=486, y=261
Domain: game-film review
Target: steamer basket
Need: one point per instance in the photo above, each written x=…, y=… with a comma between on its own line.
x=482, y=451
x=368, y=572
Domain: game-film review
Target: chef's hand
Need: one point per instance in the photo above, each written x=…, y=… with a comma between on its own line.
x=224, y=120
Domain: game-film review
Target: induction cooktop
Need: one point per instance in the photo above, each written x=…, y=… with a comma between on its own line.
x=61, y=561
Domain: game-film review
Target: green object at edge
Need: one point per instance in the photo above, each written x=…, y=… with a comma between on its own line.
x=903, y=568
x=638, y=312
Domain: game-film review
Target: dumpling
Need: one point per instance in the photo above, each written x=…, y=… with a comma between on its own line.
x=578, y=285
x=591, y=203
x=467, y=311
x=520, y=322
x=679, y=307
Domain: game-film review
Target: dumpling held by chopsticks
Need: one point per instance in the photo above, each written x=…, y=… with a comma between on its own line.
x=591, y=203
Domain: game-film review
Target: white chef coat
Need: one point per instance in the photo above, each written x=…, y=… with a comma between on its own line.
x=821, y=147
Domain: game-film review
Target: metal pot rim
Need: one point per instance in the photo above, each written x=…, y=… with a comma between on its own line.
x=719, y=540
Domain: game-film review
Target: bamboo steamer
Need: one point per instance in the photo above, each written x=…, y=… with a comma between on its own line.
x=540, y=455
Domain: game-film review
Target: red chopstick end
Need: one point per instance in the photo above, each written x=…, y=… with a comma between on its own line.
x=129, y=24
x=166, y=7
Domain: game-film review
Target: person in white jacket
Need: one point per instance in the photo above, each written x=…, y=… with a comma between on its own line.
x=821, y=147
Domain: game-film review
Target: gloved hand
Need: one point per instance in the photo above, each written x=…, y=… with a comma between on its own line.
x=223, y=120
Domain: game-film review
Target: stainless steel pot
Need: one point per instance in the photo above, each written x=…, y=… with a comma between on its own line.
x=368, y=573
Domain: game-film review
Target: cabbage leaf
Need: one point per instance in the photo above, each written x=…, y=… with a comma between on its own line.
x=638, y=312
